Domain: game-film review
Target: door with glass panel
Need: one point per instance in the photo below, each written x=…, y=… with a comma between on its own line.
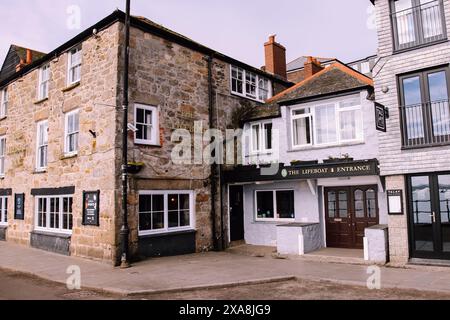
x=429, y=216
x=348, y=212
x=425, y=109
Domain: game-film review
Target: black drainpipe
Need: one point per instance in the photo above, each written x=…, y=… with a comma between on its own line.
x=217, y=245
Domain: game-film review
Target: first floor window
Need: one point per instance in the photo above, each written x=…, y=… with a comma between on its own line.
x=301, y=127
x=146, y=122
x=72, y=132
x=4, y=103
x=54, y=213
x=3, y=210
x=275, y=205
x=261, y=137
x=325, y=120
x=42, y=145
x=2, y=155
x=44, y=78
x=74, y=65
x=250, y=85
x=165, y=211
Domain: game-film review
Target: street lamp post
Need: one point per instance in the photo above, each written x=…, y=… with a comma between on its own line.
x=124, y=230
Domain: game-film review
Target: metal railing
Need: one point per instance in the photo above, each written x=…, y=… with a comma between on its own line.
x=419, y=25
x=425, y=124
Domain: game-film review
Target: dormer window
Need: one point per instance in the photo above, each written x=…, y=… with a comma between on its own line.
x=417, y=22
x=250, y=85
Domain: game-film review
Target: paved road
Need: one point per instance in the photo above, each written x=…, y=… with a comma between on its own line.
x=20, y=287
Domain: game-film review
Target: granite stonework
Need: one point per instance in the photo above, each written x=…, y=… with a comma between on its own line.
x=376, y=246
x=163, y=74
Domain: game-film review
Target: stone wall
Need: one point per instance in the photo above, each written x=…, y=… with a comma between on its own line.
x=92, y=168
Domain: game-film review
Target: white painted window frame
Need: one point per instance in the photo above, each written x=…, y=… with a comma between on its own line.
x=59, y=230
x=295, y=117
x=244, y=93
x=71, y=66
x=338, y=110
x=262, y=138
x=4, y=103
x=274, y=194
x=155, y=138
x=43, y=83
x=40, y=126
x=365, y=67
x=68, y=152
x=4, y=210
x=166, y=228
x=2, y=156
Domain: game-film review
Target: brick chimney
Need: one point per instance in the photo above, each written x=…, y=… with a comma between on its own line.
x=275, y=58
x=26, y=61
x=312, y=66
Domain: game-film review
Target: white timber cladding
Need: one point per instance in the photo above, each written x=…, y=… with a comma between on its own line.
x=249, y=85
x=394, y=160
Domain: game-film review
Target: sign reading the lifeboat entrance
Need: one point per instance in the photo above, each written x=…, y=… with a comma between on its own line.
x=331, y=171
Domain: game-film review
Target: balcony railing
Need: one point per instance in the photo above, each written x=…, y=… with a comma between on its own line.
x=419, y=25
x=425, y=124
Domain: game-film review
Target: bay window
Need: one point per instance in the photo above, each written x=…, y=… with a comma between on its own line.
x=42, y=145
x=4, y=103
x=261, y=137
x=54, y=214
x=250, y=85
x=327, y=124
x=165, y=211
x=3, y=211
x=44, y=79
x=274, y=205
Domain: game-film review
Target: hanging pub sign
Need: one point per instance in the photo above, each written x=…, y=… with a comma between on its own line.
x=91, y=208
x=19, y=206
x=381, y=114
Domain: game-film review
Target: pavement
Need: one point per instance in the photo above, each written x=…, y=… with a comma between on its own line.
x=207, y=271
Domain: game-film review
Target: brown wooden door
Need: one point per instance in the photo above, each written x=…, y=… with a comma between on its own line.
x=348, y=212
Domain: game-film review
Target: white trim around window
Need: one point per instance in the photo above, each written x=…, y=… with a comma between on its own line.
x=54, y=214
x=261, y=137
x=327, y=124
x=74, y=61
x=249, y=85
x=2, y=156
x=154, y=211
x=71, y=132
x=3, y=211
x=273, y=198
x=146, y=121
x=44, y=80
x=42, y=146
x=4, y=103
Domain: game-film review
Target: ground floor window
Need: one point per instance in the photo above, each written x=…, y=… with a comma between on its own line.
x=3, y=210
x=54, y=214
x=165, y=211
x=275, y=205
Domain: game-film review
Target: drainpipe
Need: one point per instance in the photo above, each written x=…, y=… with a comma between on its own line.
x=124, y=230
x=213, y=178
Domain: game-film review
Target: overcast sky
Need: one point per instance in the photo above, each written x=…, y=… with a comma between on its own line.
x=238, y=28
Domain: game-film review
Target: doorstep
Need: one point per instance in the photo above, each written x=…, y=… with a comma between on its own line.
x=427, y=264
x=336, y=255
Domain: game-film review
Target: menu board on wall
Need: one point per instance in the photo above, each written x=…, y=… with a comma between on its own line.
x=91, y=208
x=19, y=206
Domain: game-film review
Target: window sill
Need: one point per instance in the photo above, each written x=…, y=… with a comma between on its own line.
x=2, y=177
x=69, y=156
x=400, y=51
x=53, y=233
x=328, y=146
x=3, y=118
x=147, y=144
x=245, y=97
x=71, y=86
x=40, y=101
x=3, y=225
x=165, y=233
x=40, y=171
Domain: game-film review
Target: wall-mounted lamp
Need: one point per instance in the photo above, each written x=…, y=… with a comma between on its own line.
x=385, y=89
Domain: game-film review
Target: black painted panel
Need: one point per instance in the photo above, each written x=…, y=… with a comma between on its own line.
x=5, y=192
x=167, y=245
x=51, y=242
x=53, y=191
x=3, y=233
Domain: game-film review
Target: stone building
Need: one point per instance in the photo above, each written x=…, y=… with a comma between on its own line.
x=412, y=80
x=60, y=141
